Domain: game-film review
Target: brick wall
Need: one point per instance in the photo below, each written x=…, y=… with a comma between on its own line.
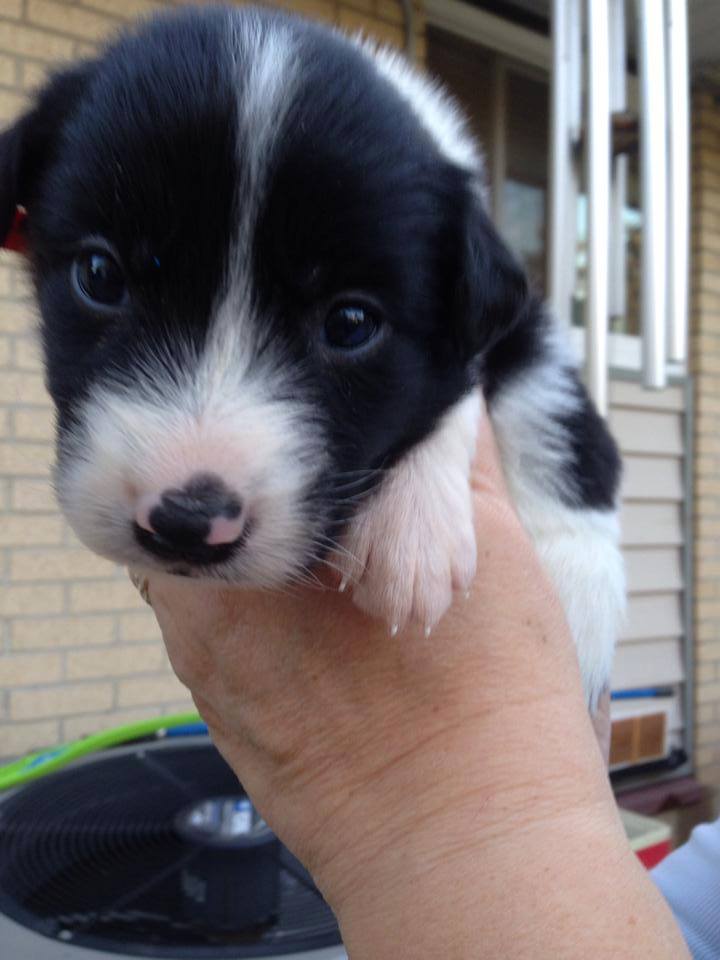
x=78, y=650
x=705, y=359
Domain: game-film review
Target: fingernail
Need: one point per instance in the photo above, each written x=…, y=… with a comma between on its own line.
x=394, y=630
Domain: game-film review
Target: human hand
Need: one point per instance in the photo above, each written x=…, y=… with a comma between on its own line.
x=403, y=769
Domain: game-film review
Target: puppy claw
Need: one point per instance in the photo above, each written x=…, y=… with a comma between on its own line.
x=428, y=631
x=394, y=629
x=343, y=584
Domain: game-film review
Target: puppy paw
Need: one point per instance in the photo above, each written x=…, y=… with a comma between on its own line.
x=414, y=544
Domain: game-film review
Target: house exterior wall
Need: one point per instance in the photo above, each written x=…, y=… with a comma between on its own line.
x=78, y=650
x=705, y=366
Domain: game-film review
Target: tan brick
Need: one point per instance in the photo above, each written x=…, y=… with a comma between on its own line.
x=706, y=734
x=27, y=354
x=129, y=9
x=33, y=496
x=61, y=701
x=17, y=317
x=707, y=693
x=11, y=9
x=707, y=756
x=353, y=22
x=83, y=49
x=151, y=690
x=32, y=74
x=68, y=564
x=57, y=632
x=27, y=599
x=709, y=774
x=708, y=590
x=707, y=609
x=707, y=672
x=26, y=459
x=312, y=9
x=24, y=531
x=114, y=661
x=708, y=647
x=17, y=739
x=104, y=595
x=363, y=6
x=4, y=422
x=34, y=424
x=141, y=625
x=26, y=669
x=706, y=714
x=391, y=10
x=70, y=19
x=7, y=70
x=5, y=352
x=11, y=105
x=23, y=41
x=22, y=387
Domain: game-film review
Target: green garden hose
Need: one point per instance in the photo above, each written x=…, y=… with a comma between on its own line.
x=46, y=761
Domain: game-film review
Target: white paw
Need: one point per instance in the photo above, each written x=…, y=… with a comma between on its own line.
x=414, y=544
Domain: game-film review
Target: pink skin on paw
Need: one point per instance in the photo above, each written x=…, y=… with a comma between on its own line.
x=224, y=530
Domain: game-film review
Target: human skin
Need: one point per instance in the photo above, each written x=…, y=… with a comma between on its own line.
x=447, y=793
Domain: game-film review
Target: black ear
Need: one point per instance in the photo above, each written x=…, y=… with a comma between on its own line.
x=493, y=290
x=27, y=147
x=11, y=154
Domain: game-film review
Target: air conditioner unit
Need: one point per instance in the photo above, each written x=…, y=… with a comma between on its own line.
x=152, y=850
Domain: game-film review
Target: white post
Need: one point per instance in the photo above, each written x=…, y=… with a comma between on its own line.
x=618, y=190
x=560, y=158
x=678, y=94
x=653, y=168
x=598, y=189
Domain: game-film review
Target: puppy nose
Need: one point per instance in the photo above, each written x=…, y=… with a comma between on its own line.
x=200, y=522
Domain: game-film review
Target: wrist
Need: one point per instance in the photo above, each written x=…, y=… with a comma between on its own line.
x=468, y=790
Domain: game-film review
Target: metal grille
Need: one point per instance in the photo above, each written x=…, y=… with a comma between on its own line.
x=92, y=856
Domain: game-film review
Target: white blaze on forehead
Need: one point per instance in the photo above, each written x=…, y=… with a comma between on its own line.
x=264, y=56
x=438, y=113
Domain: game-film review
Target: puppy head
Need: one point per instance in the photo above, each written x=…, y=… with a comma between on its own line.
x=263, y=272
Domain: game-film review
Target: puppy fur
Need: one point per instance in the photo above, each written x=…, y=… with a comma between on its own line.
x=251, y=173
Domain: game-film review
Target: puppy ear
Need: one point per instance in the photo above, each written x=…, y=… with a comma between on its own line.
x=11, y=152
x=27, y=147
x=493, y=290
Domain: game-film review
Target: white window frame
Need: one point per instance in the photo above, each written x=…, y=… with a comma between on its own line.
x=529, y=48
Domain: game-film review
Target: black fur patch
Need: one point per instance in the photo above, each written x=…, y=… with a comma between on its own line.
x=596, y=465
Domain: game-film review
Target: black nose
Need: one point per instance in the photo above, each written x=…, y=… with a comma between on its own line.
x=184, y=525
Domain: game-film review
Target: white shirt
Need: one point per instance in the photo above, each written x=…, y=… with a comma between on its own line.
x=689, y=879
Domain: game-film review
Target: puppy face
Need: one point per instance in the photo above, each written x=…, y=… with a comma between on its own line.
x=263, y=274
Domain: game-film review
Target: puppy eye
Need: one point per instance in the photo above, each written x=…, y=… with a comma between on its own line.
x=350, y=326
x=98, y=279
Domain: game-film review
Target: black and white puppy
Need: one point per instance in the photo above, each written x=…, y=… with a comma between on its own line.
x=270, y=295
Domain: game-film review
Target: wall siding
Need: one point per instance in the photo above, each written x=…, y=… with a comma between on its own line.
x=650, y=429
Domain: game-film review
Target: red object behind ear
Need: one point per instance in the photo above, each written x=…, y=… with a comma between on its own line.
x=15, y=240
